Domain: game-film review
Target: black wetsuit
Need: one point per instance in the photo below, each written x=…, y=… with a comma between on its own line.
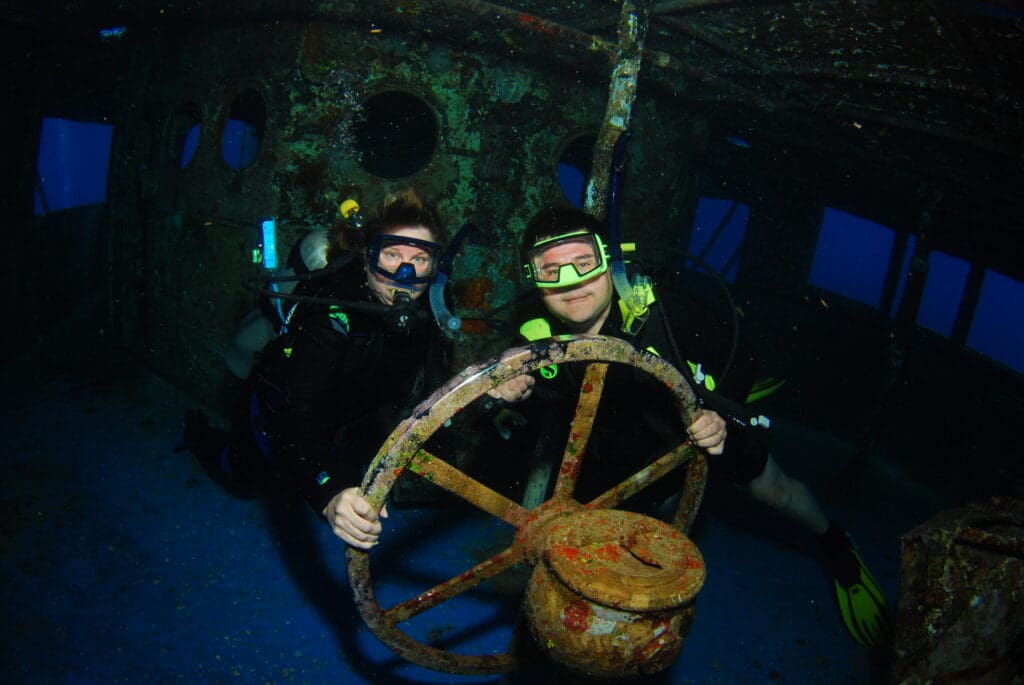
x=334, y=386
x=637, y=420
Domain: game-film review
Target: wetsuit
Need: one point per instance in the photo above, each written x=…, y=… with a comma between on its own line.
x=637, y=421
x=334, y=386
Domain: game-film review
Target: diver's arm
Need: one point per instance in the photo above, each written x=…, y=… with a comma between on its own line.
x=748, y=434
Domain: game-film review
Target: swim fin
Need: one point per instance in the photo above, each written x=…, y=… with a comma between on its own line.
x=862, y=604
x=764, y=387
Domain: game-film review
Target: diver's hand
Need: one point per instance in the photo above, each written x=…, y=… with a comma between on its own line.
x=708, y=431
x=515, y=389
x=353, y=518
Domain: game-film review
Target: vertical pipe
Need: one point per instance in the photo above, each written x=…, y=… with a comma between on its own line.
x=633, y=23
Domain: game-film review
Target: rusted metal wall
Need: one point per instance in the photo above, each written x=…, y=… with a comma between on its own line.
x=182, y=238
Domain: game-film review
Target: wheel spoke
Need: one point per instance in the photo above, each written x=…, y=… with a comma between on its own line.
x=642, y=478
x=579, y=433
x=444, y=475
x=454, y=586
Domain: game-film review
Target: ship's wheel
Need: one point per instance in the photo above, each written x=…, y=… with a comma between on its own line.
x=402, y=453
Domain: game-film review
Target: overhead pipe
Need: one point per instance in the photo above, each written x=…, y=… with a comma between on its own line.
x=633, y=22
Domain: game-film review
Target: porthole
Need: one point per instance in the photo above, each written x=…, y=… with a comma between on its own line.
x=243, y=132
x=397, y=135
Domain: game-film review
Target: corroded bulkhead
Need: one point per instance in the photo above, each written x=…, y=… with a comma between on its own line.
x=961, y=618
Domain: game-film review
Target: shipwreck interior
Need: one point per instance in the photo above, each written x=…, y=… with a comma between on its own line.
x=839, y=184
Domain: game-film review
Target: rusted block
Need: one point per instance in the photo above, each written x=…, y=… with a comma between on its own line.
x=961, y=613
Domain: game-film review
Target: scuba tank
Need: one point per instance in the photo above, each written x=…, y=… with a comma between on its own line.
x=268, y=250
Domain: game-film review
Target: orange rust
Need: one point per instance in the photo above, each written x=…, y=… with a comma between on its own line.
x=535, y=23
x=644, y=554
x=570, y=468
x=474, y=293
x=475, y=327
x=570, y=553
x=577, y=616
x=608, y=551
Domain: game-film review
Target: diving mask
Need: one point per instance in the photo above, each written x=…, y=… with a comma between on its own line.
x=406, y=261
x=566, y=260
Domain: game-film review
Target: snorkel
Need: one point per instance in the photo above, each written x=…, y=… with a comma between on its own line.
x=634, y=297
x=451, y=325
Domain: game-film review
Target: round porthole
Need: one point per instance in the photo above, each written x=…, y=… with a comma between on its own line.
x=187, y=127
x=397, y=136
x=243, y=132
x=574, y=167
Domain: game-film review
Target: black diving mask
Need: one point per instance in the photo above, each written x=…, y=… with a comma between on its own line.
x=409, y=262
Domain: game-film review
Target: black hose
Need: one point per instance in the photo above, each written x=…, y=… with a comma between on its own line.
x=377, y=308
x=727, y=367
x=614, y=188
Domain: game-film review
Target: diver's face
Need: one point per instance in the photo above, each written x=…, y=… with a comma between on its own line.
x=582, y=307
x=393, y=256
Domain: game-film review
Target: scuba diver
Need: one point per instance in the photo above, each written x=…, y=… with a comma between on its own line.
x=575, y=264
x=359, y=351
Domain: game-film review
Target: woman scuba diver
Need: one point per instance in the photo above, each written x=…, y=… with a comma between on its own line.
x=358, y=352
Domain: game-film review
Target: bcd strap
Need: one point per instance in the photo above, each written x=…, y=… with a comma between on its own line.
x=538, y=329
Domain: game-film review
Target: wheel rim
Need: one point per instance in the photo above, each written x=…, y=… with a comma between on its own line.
x=402, y=452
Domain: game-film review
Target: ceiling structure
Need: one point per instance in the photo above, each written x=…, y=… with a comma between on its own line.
x=928, y=88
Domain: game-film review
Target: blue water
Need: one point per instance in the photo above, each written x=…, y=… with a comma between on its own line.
x=123, y=563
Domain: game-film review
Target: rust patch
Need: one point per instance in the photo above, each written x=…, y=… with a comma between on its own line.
x=535, y=24
x=474, y=293
x=570, y=553
x=475, y=327
x=576, y=618
x=609, y=551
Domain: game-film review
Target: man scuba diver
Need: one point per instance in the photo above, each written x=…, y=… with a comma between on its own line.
x=566, y=256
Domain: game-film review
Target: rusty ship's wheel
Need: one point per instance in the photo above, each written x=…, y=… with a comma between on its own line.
x=402, y=452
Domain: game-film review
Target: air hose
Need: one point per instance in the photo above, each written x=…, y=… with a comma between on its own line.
x=377, y=308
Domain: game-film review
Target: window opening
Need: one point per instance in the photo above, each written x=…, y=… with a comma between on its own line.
x=852, y=256
x=943, y=290
x=188, y=128
x=719, y=228
x=243, y=132
x=998, y=329
x=574, y=166
x=398, y=135
x=72, y=166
